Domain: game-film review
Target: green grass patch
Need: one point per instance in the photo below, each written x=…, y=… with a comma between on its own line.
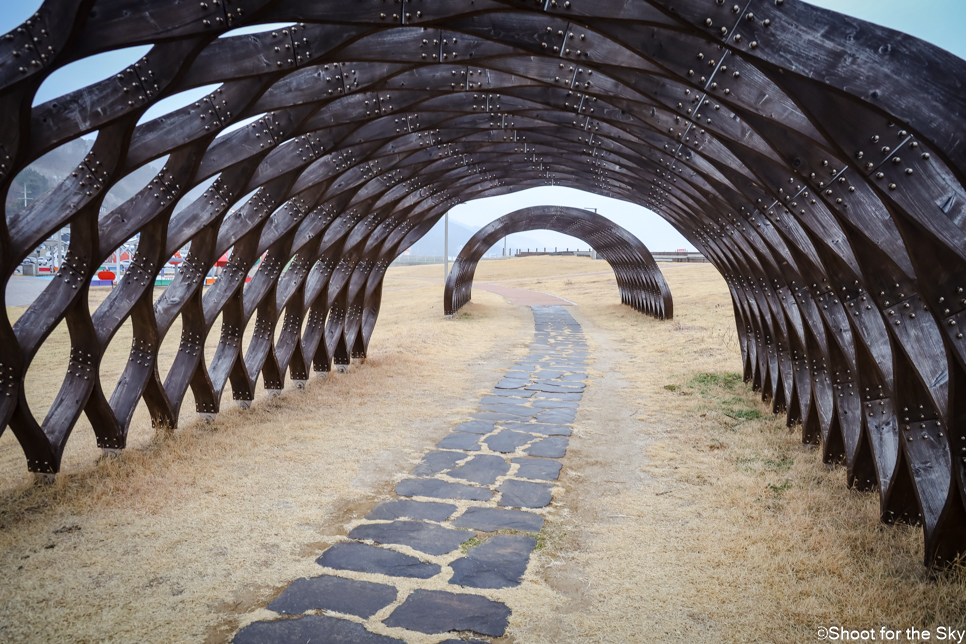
x=782, y=465
x=472, y=543
x=779, y=489
x=727, y=393
x=747, y=463
x=549, y=536
x=541, y=540
x=705, y=381
x=744, y=414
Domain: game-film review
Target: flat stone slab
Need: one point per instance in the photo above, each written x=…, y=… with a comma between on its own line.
x=349, y=596
x=483, y=469
x=459, y=440
x=539, y=428
x=311, y=628
x=405, y=509
x=575, y=377
x=555, y=404
x=553, y=447
x=523, y=494
x=490, y=415
x=463, y=642
x=510, y=408
x=541, y=469
x=425, y=537
x=436, y=611
x=492, y=519
x=512, y=383
x=441, y=490
x=545, y=375
x=543, y=395
x=557, y=416
x=475, y=427
x=500, y=400
x=436, y=462
x=496, y=563
x=361, y=557
x=507, y=441
x=554, y=388
x=511, y=393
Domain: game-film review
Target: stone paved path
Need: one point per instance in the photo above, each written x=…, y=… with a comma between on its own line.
x=494, y=473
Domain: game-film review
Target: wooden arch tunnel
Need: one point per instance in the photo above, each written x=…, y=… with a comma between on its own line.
x=639, y=280
x=817, y=160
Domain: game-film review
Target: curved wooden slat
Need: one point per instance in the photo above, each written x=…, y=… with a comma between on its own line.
x=815, y=159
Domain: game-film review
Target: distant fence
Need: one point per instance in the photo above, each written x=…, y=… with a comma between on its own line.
x=567, y=253
x=674, y=256
x=670, y=256
x=418, y=260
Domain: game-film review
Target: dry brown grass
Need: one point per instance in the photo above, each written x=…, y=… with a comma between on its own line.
x=708, y=520
x=673, y=521
x=187, y=531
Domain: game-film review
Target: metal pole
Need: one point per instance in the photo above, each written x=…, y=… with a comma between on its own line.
x=445, y=246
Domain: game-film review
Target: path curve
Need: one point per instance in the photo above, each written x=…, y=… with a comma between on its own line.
x=523, y=297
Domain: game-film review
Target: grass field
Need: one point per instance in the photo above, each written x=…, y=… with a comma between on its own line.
x=688, y=512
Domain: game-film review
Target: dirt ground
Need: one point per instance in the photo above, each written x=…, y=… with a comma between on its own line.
x=686, y=511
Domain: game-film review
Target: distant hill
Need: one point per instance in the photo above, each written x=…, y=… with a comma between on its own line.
x=54, y=166
x=48, y=171
x=432, y=242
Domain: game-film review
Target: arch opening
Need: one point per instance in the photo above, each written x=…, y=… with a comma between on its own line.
x=639, y=280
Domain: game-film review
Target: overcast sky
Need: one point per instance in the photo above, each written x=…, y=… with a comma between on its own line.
x=940, y=22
